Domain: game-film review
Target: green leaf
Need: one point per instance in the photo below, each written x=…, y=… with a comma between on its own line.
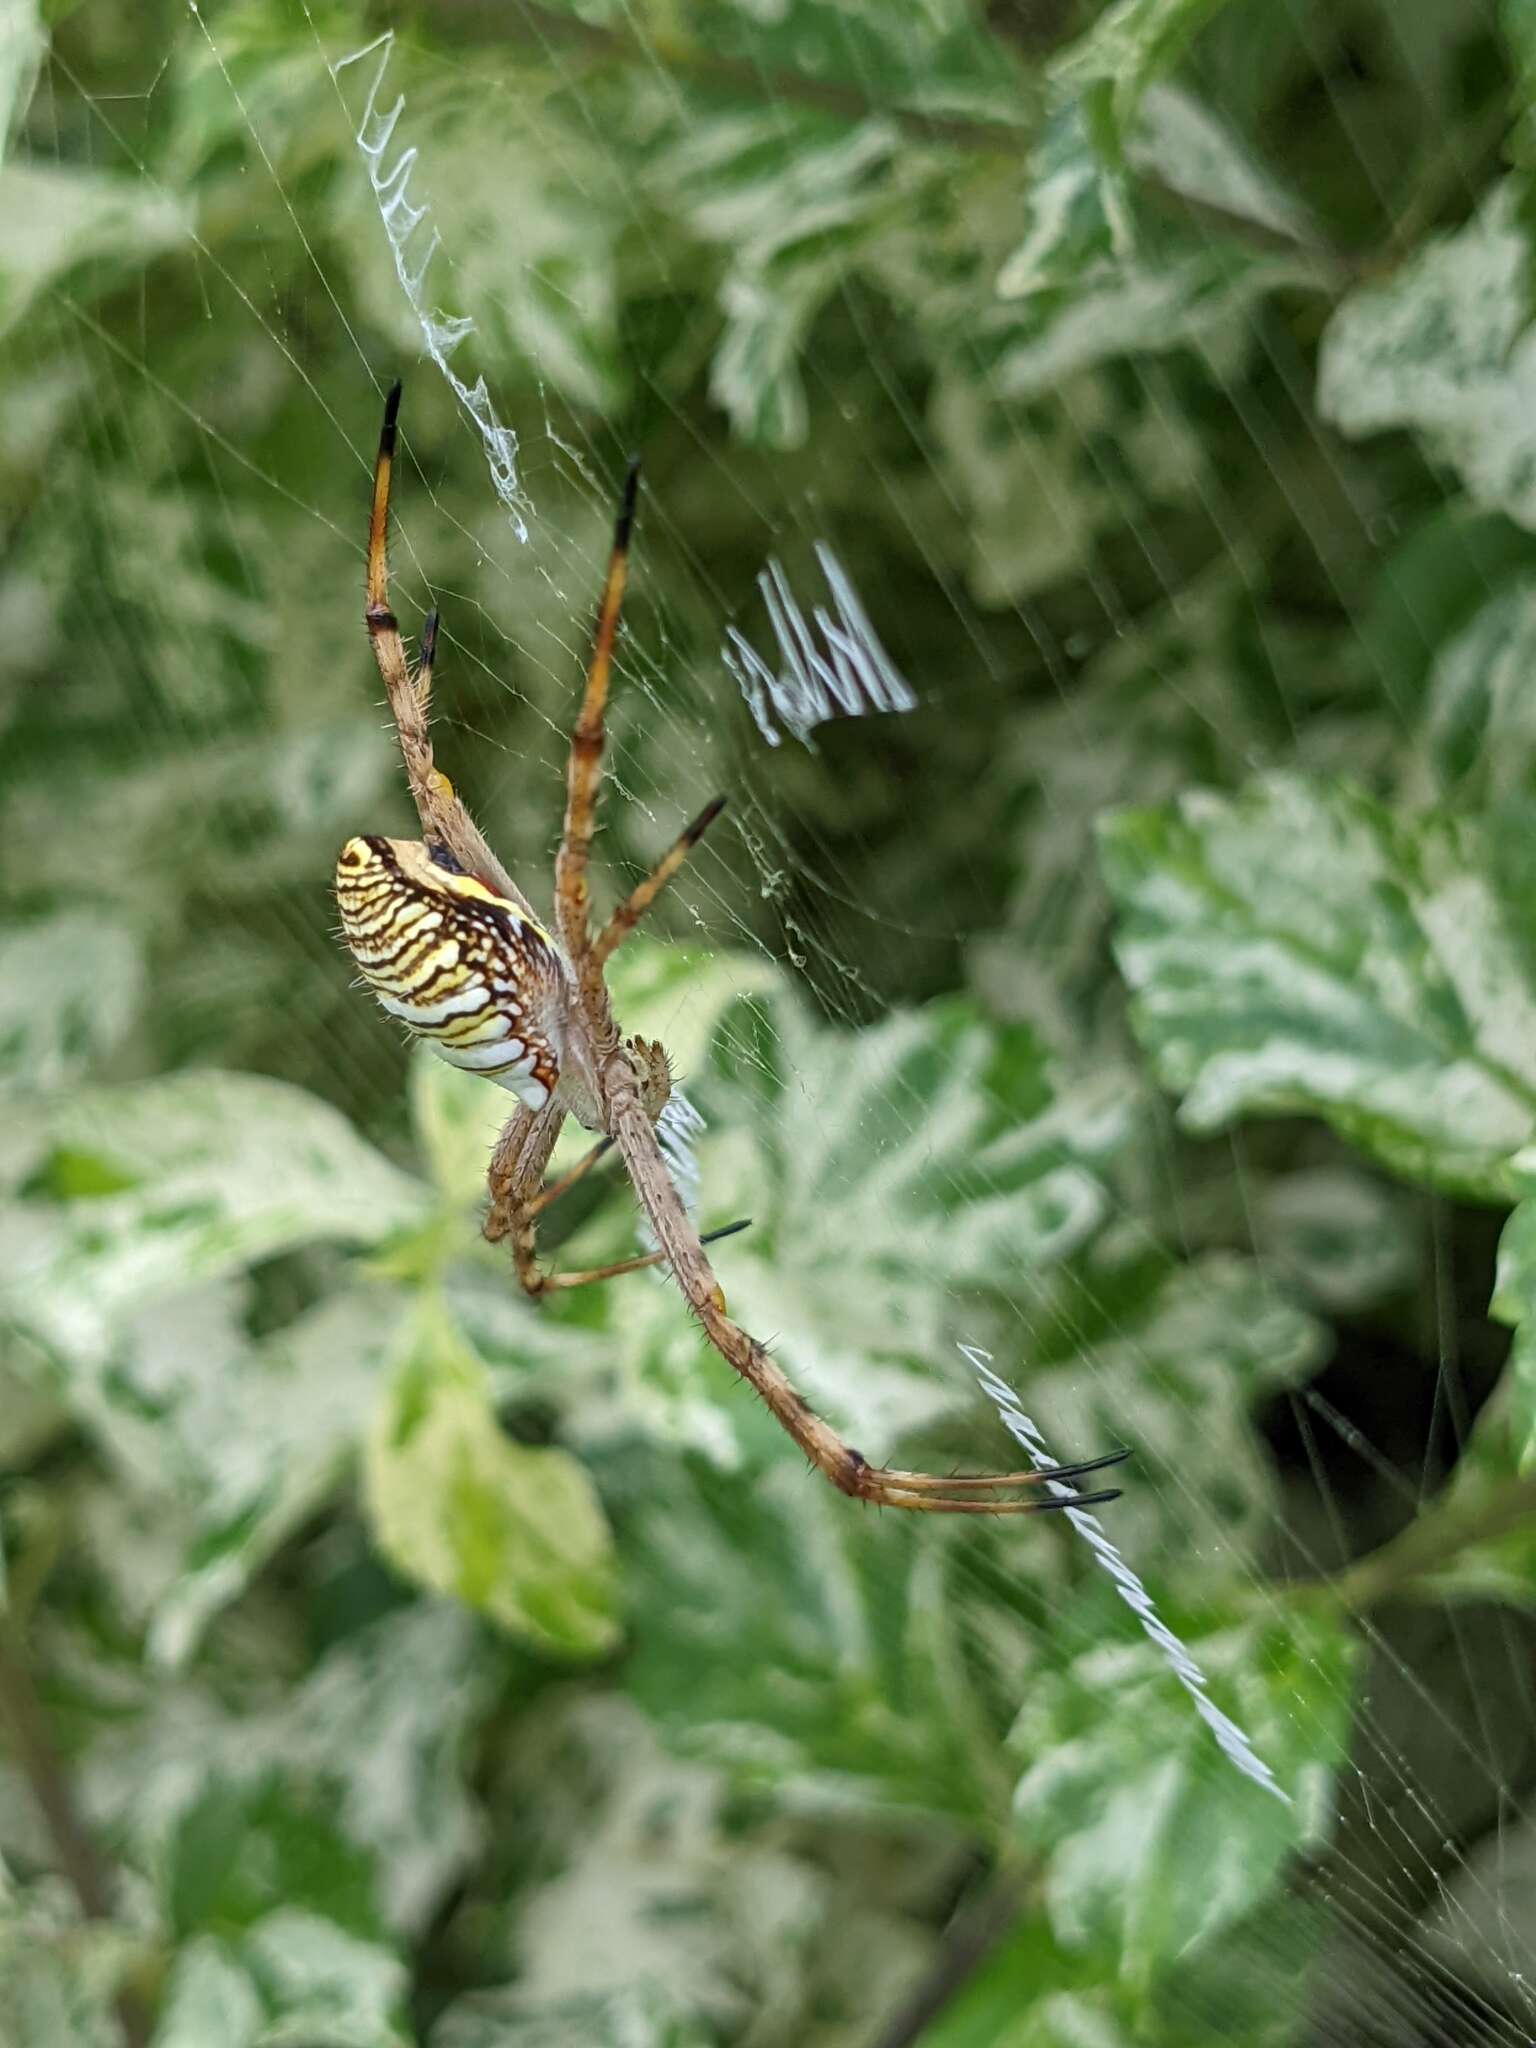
x=1479, y=722
x=1476, y=1540
x=22, y=44
x=240, y=1850
x=70, y=987
x=621, y=2019
x=135, y=1193
x=1298, y=948
x=1169, y=1342
x=1431, y=586
x=1031, y=1992
x=1155, y=1844
x=1444, y=346
x=514, y=1532
x=860, y=1685
x=1514, y=1303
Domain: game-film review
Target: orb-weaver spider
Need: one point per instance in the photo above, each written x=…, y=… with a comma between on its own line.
x=450, y=944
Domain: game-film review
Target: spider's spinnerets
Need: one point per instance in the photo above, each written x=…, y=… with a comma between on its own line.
x=469, y=971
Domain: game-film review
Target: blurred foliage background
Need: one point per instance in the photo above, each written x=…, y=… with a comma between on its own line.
x=385, y=1662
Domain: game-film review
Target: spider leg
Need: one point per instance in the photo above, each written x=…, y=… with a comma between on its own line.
x=516, y=1169
x=443, y=817
x=644, y=894
x=1035, y=1477
x=553, y=1281
x=938, y=1504
x=585, y=766
x=847, y=1469
x=567, y=1181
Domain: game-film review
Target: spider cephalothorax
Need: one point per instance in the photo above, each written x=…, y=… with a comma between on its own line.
x=449, y=944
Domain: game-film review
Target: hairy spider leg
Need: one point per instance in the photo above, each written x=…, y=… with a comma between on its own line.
x=443, y=816
x=585, y=769
x=644, y=894
x=573, y=1178
x=847, y=1469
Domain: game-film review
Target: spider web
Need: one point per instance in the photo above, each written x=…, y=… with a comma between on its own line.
x=912, y=781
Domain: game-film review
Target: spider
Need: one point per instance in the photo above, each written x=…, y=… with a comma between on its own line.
x=450, y=945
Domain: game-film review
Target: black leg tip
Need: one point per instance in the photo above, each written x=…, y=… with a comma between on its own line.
x=391, y=414
x=429, y=638
x=626, y=518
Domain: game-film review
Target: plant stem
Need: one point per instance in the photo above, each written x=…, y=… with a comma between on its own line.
x=968, y=1941
x=81, y=1861
x=1425, y=1546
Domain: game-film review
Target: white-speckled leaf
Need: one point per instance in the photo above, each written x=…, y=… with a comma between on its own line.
x=386, y=1717
x=1129, y=44
x=1154, y=1845
x=1514, y=1303
x=839, y=1689
x=292, y=1980
x=1298, y=948
x=1477, y=741
x=636, y=2018
x=1129, y=1347
x=121, y=1196
x=1444, y=346
x=69, y=989
x=56, y=216
x=244, y=1440
x=697, y=1920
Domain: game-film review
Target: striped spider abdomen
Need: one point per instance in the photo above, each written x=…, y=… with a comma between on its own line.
x=469, y=971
